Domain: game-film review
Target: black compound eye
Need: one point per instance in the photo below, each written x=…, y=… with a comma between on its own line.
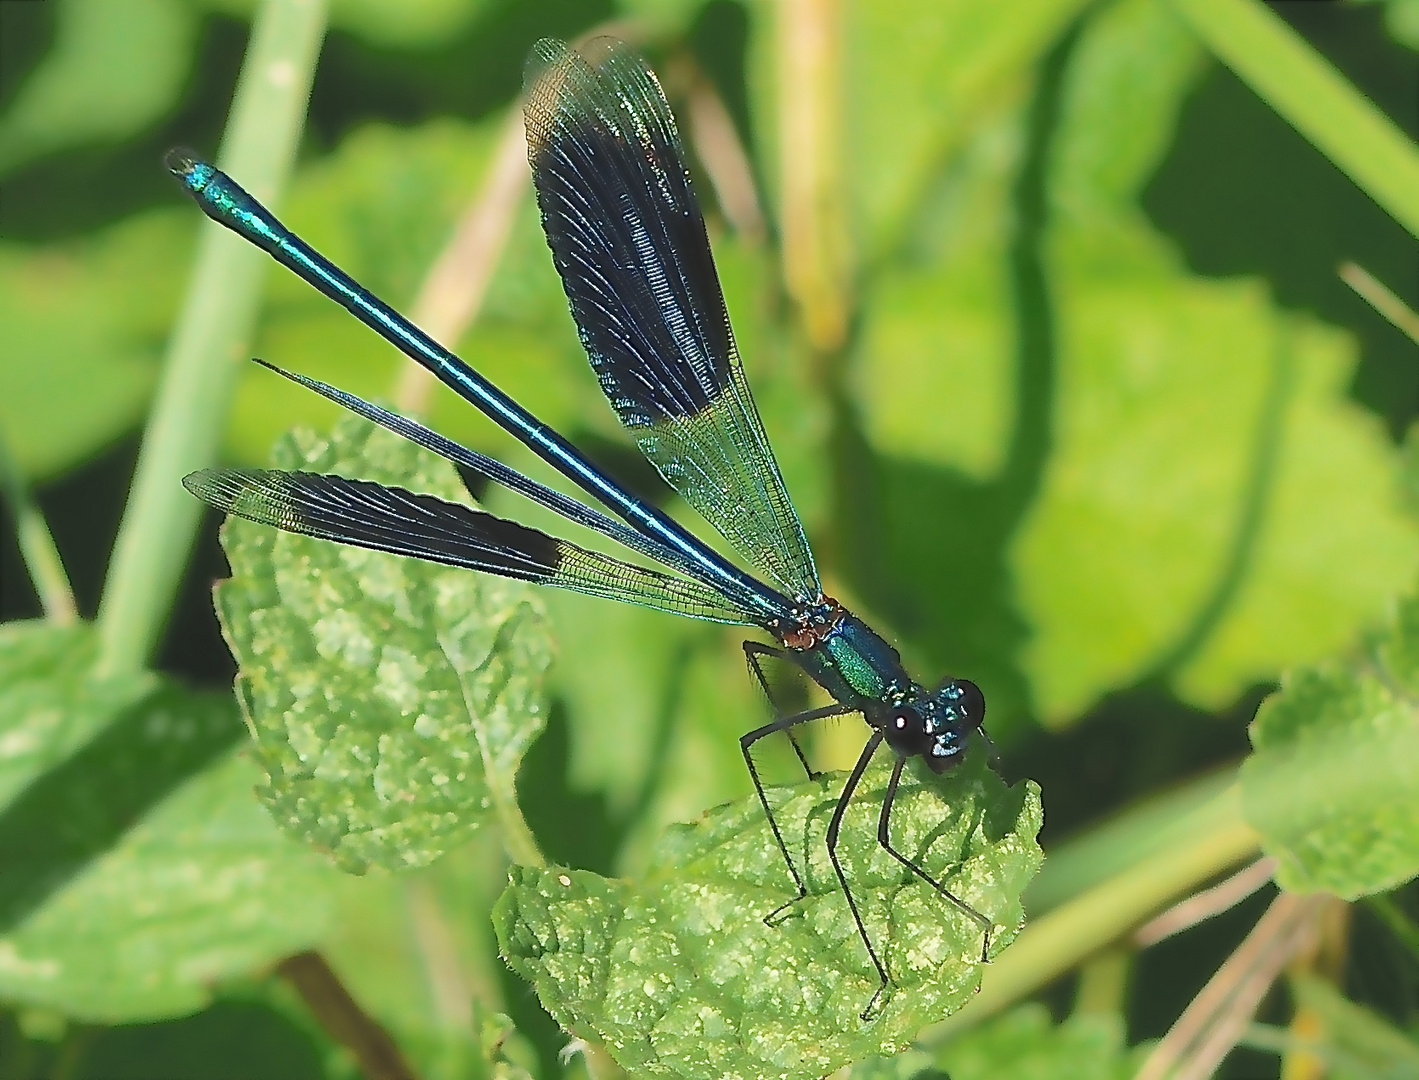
x=904, y=719
x=964, y=699
x=972, y=703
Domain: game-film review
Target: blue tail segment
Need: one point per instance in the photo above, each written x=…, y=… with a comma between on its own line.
x=225, y=202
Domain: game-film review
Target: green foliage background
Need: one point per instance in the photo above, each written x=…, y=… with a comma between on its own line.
x=1105, y=433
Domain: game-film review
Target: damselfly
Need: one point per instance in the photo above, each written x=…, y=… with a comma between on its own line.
x=629, y=241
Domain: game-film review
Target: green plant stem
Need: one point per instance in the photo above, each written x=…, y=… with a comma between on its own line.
x=343, y=1019
x=518, y=839
x=600, y=1065
x=1375, y=293
x=37, y=547
x=1314, y=98
x=1058, y=941
x=1153, y=827
x=1400, y=925
x=1103, y=983
x=210, y=338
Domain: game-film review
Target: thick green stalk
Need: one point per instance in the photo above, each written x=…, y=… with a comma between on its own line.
x=1314, y=98
x=1156, y=825
x=210, y=339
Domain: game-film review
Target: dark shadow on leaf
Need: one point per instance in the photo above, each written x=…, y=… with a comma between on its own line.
x=77, y=811
x=1251, y=514
x=572, y=828
x=951, y=793
x=932, y=838
x=582, y=830
x=815, y=827
x=999, y=817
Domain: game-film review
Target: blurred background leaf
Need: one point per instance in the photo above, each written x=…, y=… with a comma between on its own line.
x=917, y=96
x=1026, y=1043
x=200, y=890
x=139, y=871
x=1357, y=1042
x=115, y=67
x=84, y=322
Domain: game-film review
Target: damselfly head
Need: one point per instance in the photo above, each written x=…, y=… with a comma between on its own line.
x=947, y=718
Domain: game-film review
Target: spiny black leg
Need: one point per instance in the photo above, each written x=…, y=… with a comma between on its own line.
x=833, y=826
x=808, y=770
x=884, y=824
x=783, y=723
x=752, y=651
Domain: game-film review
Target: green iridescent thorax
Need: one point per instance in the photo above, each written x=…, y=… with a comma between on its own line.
x=856, y=666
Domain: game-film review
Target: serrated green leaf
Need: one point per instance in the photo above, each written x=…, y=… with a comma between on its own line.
x=391, y=700
x=1331, y=783
x=1025, y=1044
x=677, y=974
x=116, y=66
x=202, y=888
